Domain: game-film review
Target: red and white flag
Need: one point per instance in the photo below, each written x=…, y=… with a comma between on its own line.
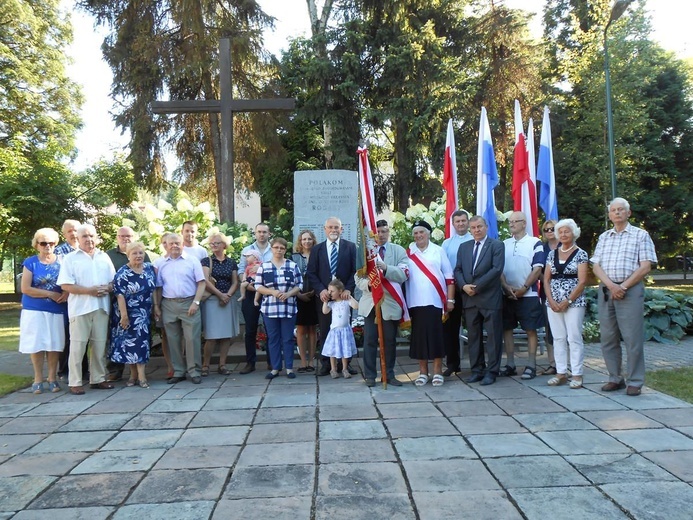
x=369, y=228
x=524, y=185
x=450, y=179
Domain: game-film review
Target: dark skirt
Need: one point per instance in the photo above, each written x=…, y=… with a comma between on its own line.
x=426, y=333
x=307, y=312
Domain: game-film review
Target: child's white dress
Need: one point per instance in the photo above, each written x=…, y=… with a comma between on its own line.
x=340, y=342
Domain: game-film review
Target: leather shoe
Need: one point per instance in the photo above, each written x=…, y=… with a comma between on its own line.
x=114, y=377
x=488, y=379
x=394, y=382
x=370, y=382
x=508, y=371
x=474, y=378
x=175, y=379
x=248, y=368
x=76, y=390
x=104, y=385
x=611, y=386
x=450, y=371
x=196, y=380
x=633, y=390
x=352, y=371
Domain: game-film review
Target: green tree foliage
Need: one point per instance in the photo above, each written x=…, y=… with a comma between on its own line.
x=38, y=102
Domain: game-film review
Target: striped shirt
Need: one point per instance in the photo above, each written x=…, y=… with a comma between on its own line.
x=283, y=279
x=619, y=253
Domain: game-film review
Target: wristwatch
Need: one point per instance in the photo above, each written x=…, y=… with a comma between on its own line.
x=196, y=302
x=451, y=301
x=570, y=302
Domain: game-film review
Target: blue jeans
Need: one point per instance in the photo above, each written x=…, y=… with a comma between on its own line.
x=280, y=341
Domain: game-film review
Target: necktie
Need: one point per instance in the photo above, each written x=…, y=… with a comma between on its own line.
x=475, y=254
x=382, y=252
x=333, y=259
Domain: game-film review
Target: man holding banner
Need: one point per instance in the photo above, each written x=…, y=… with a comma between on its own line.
x=391, y=261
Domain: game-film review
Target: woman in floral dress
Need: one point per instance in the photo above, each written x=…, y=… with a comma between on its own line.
x=133, y=286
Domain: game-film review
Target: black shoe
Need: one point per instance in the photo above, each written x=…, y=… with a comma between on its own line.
x=104, y=385
x=324, y=370
x=488, y=379
x=370, y=382
x=248, y=368
x=450, y=371
x=114, y=377
x=474, y=378
x=394, y=381
x=508, y=371
x=196, y=380
x=175, y=379
x=352, y=371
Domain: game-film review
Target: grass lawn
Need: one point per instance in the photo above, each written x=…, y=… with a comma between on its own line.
x=9, y=325
x=9, y=384
x=677, y=382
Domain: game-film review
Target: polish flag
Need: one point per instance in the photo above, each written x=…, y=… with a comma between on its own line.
x=450, y=179
x=524, y=183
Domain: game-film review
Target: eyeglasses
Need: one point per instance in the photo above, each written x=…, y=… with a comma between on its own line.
x=515, y=221
x=44, y=244
x=548, y=230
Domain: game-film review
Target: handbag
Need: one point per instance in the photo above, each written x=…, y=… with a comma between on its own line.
x=207, y=294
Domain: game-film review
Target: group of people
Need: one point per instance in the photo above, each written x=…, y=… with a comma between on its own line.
x=493, y=285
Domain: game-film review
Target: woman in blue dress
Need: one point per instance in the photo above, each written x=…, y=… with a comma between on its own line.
x=133, y=285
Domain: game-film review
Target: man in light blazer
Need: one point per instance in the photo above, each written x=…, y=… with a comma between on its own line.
x=393, y=265
x=478, y=275
x=320, y=274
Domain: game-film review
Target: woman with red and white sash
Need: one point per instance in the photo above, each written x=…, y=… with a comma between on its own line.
x=430, y=293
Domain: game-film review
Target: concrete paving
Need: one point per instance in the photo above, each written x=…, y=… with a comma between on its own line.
x=317, y=448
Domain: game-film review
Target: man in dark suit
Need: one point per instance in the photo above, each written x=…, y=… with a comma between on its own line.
x=333, y=258
x=478, y=275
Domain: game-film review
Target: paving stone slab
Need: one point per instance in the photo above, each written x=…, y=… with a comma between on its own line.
x=59, y=408
x=75, y=513
x=565, y=503
x=360, y=478
x=40, y=424
x=42, y=464
x=661, y=439
x=344, y=398
x=108, y=421
x=14, y=444
x=15, y=409
x=453, y=391
x=189, y=485
x=233, y=403
x=672, y=417
x=419, y=427
x=291, y=388
x=348, y=412
x=528, y=405
x=448, y=475
x=278, y=400
x=120, y=406
x=361, y=450
x=612, y=468
x=17, y=492
x=192, y=457
x=196, y=510
x=547, y=422
x=506, y=388
x=182, y=405
x=271, y=481
x=401, y=394
x=285, y=414
x=117, y=461
x=282, y=432
x=508, y=445
x=408, y=410
x=620, y=420
x=103, y=489
x=206, y=419
x=143, y=439
x=653, y=500
x=588, y=403
x=393, y=506
x=649, y=399
x=680, y=463
x=488, y=424
x=279, y=454
x=189, y=393
x=480, y=504
x=433, y=448
x=470, y=408
x=582, y=442
x=285, y=508
x=342, y=430
x=214, y=436
x=535, y=472
x=226, y=391
x=160, y=421
x=73, y=441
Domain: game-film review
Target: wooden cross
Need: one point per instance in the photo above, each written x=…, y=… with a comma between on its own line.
x=227, y=105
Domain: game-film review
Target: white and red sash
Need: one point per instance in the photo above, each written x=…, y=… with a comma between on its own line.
x=434, y=275
x=395, y=290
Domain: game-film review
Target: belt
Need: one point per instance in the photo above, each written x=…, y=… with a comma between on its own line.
x=180, y=299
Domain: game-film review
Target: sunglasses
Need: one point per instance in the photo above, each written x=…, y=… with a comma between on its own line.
x=44, y=244
x=548, y=230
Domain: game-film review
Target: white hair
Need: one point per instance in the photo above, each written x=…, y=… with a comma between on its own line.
x=569, y=223
x=620, y=200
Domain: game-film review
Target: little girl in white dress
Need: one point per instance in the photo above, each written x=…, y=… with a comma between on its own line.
x=340, y=342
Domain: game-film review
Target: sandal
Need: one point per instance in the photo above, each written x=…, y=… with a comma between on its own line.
x=37, y=388
x=421, y=380
x=310, y=368
x=529, y=373
x=205, y=371
x=53, y=386
x=144, y=384
x=438, y=380
x=224, y=371
x=131, y=382
x=557, y=380
x=576, y=382
x=551, y=371
x=302, y=370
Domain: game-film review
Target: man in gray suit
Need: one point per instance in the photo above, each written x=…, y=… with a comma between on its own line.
x=393, y=265
x=477, y=274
